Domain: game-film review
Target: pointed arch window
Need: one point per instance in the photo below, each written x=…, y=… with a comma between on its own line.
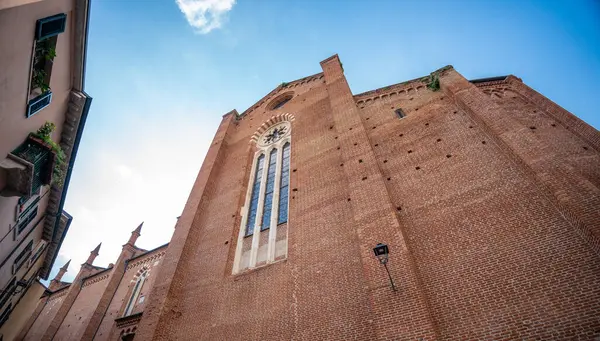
x=263, y=236
x=135, y=293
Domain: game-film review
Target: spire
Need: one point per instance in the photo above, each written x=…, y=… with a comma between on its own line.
x=54, y=284
x=66, y=266
x=135, y=234
x=93, y=254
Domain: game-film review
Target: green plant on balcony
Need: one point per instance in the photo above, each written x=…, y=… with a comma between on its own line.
x=44, y=133
x=42, y=62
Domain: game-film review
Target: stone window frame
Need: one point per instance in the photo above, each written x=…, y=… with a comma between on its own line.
x=137, y=289
x=265, y=151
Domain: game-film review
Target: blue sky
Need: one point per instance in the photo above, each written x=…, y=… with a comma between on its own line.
x=162, y=73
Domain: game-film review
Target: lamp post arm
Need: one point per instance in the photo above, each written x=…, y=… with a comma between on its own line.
x=390, y=276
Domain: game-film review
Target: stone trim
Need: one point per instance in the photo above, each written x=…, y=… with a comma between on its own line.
x=271, y=122
x=145, y=261
x=272, y=231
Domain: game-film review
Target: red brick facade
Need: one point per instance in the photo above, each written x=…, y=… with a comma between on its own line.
x=487, y=193
x=93, y=306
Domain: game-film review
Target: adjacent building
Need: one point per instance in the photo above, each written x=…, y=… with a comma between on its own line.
x=43, y=108
x=485, y=193
x=100, y=303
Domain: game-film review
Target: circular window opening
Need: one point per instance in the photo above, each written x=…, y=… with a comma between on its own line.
x=280, y=101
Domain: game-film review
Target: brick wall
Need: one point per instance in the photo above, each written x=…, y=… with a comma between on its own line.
x=488, y=202
x=150, y=261
x=82, y=309
x=46, y=316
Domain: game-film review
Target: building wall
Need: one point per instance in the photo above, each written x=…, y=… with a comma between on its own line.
x=17, y=26
x=489, y=205
x=150, y=262
x=20, y=314
x=82, y=309
x=46, y=316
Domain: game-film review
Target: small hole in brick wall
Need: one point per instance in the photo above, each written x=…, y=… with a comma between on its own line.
x=532, y=128
x=226, y=242
x=554, y=125
x=410, y=151
x=356, y=144
x=293, y=197
x=384, y=161
x=233, y=215
x=359, y=160
x=338, y=148
x=454, y=112
x=348, y=199
x=367, y=118
x=470, y=127
x=350, y=128
x=294, y=170
x=376, y=144
x=336, y=137
x=535, y=111
x=410, y=99
x=341, y=165
x=442, y=97
x=330, y=127
x=364, y=178
x=584, y=147
x=439, y=140
x=392, y=107
x=295, y=190
x=388, y=179
x=448, y=156
x=401, y=135
x=426, y=124
x=417, y=168
x=482, y=142
x=398, y=208
x=373, y=127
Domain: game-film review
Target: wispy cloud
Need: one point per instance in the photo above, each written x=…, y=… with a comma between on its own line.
x=205, y=15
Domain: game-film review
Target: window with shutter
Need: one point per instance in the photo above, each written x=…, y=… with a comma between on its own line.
x=50, y=26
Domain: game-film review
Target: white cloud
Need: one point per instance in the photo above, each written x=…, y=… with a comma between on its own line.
x=205, y=15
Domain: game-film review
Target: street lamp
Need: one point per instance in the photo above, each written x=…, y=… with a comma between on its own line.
x=382, y=252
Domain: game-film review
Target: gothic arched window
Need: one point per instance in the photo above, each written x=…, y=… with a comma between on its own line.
x=135, y=293
x=263, y=236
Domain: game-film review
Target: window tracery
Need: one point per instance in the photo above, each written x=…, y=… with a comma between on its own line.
x=263, y=238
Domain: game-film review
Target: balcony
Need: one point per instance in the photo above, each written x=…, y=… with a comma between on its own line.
x=27, y=168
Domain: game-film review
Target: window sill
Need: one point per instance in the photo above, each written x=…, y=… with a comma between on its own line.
x=241, y=274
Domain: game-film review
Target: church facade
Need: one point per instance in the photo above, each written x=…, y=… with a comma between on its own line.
x=486, y=194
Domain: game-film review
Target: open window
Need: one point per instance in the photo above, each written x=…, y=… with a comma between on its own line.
x=42, y=60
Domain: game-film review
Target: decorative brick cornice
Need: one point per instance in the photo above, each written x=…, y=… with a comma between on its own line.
x=274, y=92
x=128, y=321
x=145, y=260
x=90, y=281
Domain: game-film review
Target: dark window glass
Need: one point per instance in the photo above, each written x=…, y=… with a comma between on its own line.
x=254, y=196
x=266, y=219
x=284, y=186
x=400, y=113
x=22, y=257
